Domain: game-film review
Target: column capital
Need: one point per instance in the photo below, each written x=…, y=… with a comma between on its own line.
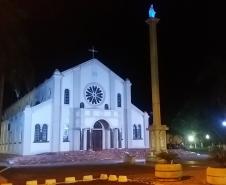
x=152, y=21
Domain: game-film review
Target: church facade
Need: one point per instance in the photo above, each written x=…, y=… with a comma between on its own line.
x=87, y=107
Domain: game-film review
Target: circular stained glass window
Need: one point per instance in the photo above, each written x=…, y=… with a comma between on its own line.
x=94, y=94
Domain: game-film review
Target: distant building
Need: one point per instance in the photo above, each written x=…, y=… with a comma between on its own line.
x=87, y=107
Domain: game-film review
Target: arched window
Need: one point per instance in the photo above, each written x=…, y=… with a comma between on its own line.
x=66, y=133
x=82, y=105
x=134, y=131
x=44, y=132
x=66, y=96
x=9, y=127
x=119, y=100
x=106, y=107
x=139, y=132
x=97, y=125
x=37, y=136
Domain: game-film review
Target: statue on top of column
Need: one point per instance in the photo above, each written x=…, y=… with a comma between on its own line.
x=152, y=12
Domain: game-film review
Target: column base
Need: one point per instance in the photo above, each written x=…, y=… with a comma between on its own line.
x=158, y=142
x=152, y=156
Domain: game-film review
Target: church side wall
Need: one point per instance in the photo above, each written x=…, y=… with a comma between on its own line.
x=40, y=115
x=138, y=141
x=11, y=135
x=38, y=95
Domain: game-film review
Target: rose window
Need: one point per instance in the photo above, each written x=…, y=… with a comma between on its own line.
x=94, y=94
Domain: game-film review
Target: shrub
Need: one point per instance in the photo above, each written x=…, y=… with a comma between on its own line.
x=170, y=157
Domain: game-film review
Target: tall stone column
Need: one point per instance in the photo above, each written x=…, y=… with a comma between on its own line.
x=157, y=130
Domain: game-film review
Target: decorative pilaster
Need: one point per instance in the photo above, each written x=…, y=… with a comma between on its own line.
x=56, y=113
x=127, y=98
x=27, y=137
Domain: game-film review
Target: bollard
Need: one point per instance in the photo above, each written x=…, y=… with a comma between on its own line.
x=50, y=181
x=122, y=178
x=69, y=180
x=87, y=178
x=7, y=184
x=33, y=182
x=112, y=178
x=103, y=177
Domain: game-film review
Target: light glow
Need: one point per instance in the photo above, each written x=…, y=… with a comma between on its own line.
x=207, y=136
x=224, y=123
x=191, y=138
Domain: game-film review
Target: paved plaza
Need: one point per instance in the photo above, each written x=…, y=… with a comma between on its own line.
x=194, y=167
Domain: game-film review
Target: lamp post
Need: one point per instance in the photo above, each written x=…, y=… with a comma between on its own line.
x=191, y=140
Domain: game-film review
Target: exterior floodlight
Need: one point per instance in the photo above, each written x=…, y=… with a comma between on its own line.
x=191, y=138
x=224, y=123
x=207, y=136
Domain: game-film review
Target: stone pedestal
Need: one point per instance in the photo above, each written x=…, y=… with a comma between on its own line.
x=157, y=141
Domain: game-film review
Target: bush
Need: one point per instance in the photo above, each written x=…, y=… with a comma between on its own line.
x=219, y=155
x=170, y=157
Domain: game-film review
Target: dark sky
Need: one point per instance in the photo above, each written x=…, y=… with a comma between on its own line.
x=189, y=33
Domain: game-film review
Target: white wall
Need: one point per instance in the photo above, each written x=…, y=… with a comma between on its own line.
x=93, y=72
x=39, y=94
x=66, y=83
x=11, y=136
x=137, y=118
x=41, y=114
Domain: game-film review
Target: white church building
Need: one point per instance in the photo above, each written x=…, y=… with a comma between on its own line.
x=87, y=107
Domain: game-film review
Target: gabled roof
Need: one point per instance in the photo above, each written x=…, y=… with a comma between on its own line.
x=96, y=62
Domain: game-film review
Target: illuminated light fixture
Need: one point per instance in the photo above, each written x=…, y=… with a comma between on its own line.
x=224, y=123
x=152, y=12
x=207, y=136
x=191, y=138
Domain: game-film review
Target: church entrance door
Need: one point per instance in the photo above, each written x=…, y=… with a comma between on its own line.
x=99, y=135
x=97, y=139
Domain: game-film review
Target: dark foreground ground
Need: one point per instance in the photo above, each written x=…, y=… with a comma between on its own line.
x=138, y=174
x=194, y=167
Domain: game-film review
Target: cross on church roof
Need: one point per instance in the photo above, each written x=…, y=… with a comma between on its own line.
x=93, y=51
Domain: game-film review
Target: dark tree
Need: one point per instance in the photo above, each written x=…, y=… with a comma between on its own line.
x=14, y=51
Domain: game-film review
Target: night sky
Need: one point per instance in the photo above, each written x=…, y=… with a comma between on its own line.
x=191, y=36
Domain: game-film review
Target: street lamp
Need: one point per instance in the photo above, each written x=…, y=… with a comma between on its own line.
x=224, y=123
x=191, y=138
x=207, y=136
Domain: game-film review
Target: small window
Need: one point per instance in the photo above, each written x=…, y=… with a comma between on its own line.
x=106, y=107
x=37, y=136
x=139, y=132
x=134, y=131
x=66, y=134
x=82, y=105
x=119, y=100
x=9, y=127
x=66, y=96
x=44, y=132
